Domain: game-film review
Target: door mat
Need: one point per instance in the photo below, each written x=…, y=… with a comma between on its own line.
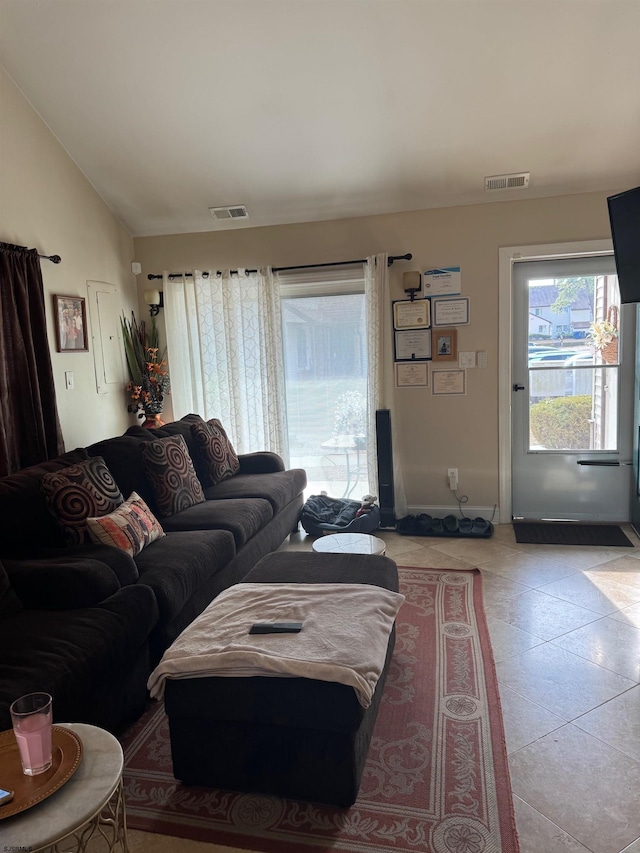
x=436, y=776
x=569, y=533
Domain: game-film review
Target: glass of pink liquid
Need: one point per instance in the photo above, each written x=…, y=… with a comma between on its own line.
x=31, y=718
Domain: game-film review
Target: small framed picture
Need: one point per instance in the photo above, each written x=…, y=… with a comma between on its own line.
x=444, y=345
x=71, y=323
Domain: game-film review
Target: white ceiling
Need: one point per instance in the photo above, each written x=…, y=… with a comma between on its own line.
x=321, y=109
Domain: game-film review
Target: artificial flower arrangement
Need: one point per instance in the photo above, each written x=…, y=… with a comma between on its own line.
x=148, y=374
x=602, y=333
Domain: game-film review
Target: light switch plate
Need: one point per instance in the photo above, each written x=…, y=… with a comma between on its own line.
x=466, y=359
x=68, y=379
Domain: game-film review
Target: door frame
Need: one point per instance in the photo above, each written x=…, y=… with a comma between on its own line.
x=507, y=256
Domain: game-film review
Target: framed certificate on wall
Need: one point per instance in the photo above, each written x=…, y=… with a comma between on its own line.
x=451, y=311
x=412, y=345
x=412, y=314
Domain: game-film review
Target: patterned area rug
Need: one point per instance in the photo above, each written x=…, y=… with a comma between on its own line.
x=436, y=777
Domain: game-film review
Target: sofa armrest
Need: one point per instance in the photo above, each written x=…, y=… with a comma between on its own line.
x=262, y=462
x=61, y=583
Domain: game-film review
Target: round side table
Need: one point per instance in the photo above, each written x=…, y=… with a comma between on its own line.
x=350, y=543
x=91, y=801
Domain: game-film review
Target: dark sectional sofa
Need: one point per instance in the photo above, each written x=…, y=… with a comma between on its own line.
x=88, y=623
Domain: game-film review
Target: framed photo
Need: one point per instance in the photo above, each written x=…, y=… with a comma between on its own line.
x=71, y=323
x=444, y=344
x=412, y=345
x=412, y=314
x=451, y=312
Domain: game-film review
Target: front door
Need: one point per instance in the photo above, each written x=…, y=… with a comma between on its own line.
x=572, y=397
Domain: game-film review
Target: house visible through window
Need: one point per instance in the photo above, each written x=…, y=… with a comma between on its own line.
x=325, y=357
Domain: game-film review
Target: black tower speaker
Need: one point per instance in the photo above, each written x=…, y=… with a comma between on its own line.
x=385, y=468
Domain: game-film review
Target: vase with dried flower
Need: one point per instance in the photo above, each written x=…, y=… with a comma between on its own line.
x=604, y=336
x=148, y=375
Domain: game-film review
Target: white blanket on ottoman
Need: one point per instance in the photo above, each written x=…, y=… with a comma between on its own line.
x=344, y=637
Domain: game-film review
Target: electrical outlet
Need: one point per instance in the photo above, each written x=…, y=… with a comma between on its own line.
x=452, y=474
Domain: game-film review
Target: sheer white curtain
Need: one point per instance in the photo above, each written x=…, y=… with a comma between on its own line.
x=224, y=344
x=380, y=369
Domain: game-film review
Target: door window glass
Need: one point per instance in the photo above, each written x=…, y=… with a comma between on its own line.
x=573, y=363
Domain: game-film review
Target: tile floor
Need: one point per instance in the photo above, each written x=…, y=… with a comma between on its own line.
x=565, y=628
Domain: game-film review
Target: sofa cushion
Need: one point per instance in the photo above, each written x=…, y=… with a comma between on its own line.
x=279, y=488
x=243, y=517
x=171, y=474
x=177, y=565
x=9, y=601
x=79, y=491
x=72, y=655
x=215, y=450
x=24, y=507
x=61, y=583
x=130, y=527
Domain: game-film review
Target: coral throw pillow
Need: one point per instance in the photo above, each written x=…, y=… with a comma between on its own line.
x=216, y=451
x=130, y=527
x=171, y=474
x=79, y=492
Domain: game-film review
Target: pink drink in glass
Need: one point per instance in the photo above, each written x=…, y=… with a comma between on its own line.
x=31, y=716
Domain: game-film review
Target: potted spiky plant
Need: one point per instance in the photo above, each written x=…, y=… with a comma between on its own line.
x=148, y=375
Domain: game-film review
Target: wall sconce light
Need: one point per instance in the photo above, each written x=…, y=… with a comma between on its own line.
x=155, y=301
x=412, y=283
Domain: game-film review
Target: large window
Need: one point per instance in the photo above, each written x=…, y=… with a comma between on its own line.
x=325, y=357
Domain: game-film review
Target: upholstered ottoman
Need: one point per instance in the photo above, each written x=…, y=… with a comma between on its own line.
x=294, y=737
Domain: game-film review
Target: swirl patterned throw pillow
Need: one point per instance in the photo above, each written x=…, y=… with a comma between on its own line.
x=131, y=527
x=172, y=475
x=216, y=451
x=78, y=492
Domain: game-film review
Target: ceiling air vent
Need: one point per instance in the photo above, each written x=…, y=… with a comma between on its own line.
x=518, y=181
x=236, y=211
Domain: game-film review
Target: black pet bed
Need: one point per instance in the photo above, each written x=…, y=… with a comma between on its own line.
x=425, y=525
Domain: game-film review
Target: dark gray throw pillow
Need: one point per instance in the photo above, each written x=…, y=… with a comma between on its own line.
x=79, y=492
x=170, y=471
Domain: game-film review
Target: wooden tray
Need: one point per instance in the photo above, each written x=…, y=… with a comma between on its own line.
x=29, y=790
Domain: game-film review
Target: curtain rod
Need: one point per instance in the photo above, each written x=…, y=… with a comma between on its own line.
x=55, y=259
x=390, y=260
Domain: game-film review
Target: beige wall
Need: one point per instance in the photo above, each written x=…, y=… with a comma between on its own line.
x=432, y=433
x=46, y=203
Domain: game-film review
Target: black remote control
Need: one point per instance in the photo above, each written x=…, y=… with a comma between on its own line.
x=276, y=628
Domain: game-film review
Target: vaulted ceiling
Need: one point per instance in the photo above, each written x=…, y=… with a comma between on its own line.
x=321, y=109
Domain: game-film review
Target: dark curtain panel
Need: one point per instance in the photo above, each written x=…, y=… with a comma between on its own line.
x=29, y=426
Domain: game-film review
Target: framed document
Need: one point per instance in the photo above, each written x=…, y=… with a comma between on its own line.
x=451, y=312
x=445, y=280
x=414, y=314
x=412, y=374
x=412, y=345
x=448, y=383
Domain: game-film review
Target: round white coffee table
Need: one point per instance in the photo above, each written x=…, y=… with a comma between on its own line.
x=90, y=802
x=350, y=543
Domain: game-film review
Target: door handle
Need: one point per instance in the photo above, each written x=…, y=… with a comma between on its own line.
x=517, y=387
x=602, y=463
